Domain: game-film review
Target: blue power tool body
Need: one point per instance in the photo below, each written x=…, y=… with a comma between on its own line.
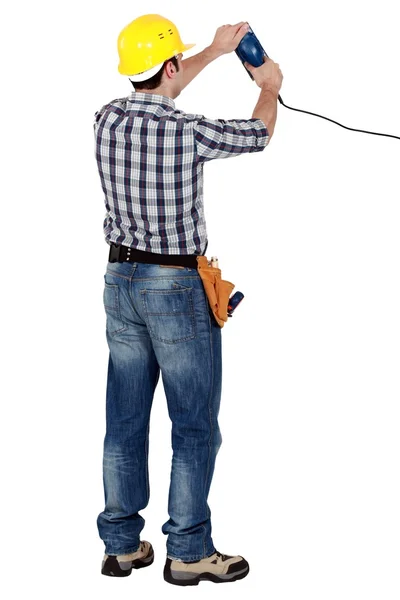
x=250, y=50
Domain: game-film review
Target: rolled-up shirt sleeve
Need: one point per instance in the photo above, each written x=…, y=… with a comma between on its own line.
x=217, y=138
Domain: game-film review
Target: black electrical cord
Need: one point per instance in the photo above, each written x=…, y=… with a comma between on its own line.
x=332, y=121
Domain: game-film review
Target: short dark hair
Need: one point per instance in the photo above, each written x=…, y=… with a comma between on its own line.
x=155, y=81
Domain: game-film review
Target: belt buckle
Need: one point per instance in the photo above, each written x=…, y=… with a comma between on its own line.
x=116, y=252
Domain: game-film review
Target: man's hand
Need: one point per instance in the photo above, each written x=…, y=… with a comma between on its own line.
x=227, y=38
x=268, y=74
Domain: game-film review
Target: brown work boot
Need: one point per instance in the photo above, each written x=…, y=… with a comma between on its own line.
x=219, y=568
x=121, y=565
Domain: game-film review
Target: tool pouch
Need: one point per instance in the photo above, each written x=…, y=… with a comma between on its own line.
x=218, y=290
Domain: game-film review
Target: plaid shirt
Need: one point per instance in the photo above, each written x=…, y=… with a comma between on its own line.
x=150, y=158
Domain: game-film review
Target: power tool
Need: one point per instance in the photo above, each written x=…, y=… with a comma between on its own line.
x=250, y=50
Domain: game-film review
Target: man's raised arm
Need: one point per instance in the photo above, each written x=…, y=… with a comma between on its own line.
x=226, y=39
x=269, y=78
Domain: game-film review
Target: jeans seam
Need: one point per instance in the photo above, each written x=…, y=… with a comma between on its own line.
x=131, y=297
x=147, y=463
x=211, y=426
x=204, y=540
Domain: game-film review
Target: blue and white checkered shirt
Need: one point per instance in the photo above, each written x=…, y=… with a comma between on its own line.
x=150, y=158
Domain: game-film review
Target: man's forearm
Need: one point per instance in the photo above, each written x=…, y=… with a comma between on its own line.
x=193, y=65
x=266, y=108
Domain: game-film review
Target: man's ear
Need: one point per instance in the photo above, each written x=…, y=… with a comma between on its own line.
x=170, y=69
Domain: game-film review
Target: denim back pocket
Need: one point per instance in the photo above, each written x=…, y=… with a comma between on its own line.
x=169, y=313
x=111, y=301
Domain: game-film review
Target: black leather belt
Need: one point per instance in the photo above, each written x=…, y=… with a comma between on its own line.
x=120, y=253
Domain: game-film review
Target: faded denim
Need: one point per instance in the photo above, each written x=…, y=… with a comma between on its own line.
x=158, y=319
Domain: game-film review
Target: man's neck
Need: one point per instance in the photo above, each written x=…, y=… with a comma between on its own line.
x=160, y=90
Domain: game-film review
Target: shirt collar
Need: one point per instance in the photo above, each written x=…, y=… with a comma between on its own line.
x=147, y=98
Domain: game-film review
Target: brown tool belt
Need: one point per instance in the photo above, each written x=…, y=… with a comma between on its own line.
x=218, y=290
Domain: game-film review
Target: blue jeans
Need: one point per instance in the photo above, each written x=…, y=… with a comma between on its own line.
x=158, y=319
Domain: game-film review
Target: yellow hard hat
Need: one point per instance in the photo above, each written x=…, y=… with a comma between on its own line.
x=145, y=44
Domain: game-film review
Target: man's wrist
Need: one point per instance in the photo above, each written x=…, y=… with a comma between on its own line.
x=268, y=87
x=211, y=53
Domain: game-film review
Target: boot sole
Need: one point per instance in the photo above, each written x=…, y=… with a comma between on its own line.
x=194, y=579
x=112, y=568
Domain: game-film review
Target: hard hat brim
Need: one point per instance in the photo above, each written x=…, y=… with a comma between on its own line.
x=187, y=47
x=151, y=72
x=146, y=74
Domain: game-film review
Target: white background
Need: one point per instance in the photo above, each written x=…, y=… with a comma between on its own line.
x=306, y=485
